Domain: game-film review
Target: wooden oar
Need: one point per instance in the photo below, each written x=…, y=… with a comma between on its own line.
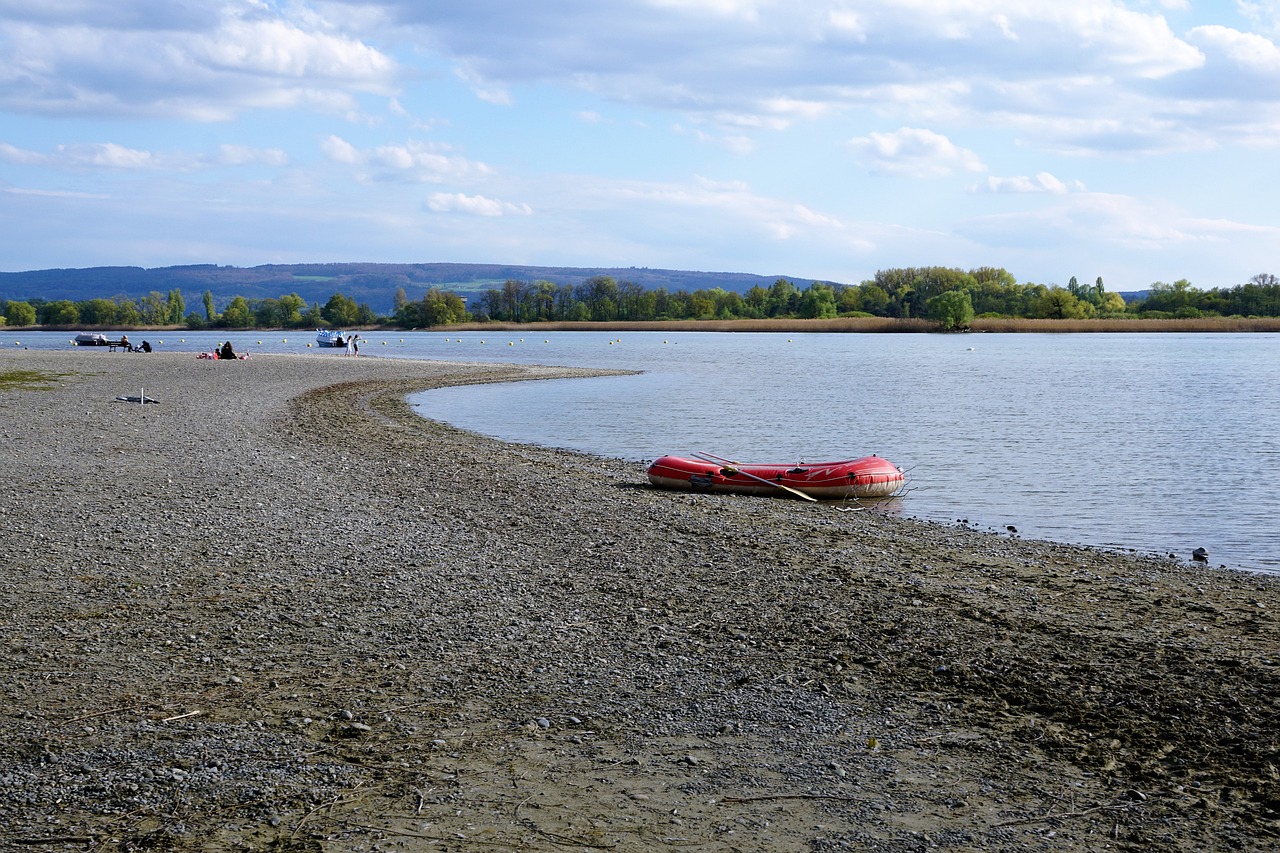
x=730, y=466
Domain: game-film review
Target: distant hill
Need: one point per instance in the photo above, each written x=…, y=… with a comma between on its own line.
x=371, y=283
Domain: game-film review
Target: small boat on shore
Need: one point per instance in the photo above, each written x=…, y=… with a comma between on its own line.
x=331, y=337
x=867, y=477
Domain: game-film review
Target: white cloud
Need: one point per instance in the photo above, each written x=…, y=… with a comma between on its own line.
x=484, y=90
x=1253, y=52
x=738, y=144
x=749, y=66
x=244, y=155
x=117, y=59
x=913, y=153
x=1264, y=14
x=1108, y=220
x=56, y=193
x=339, y=150
x=415, y=162
x=279, y=49
x=750, y=63
x=110, y=156
x=747, y=10
x=1043, y=182
x=20, y=156
x=730, y=202
x=846, y=22
x=475, y=205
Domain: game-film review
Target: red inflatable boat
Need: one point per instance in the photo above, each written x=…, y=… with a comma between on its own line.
x=868, y=477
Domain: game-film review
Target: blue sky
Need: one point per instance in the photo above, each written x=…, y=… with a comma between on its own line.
x=1134, y=141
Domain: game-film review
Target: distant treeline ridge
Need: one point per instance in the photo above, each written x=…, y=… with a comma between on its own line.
x=950, y=297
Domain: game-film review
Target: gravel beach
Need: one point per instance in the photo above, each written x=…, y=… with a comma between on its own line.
x=278, y=611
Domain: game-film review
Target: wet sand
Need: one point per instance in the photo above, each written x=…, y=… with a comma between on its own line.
x=277, y=610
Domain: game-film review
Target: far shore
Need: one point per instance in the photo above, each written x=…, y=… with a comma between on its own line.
x=865, y=325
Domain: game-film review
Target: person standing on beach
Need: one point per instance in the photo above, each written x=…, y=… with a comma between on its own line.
x=355, y=344
x=351, y=343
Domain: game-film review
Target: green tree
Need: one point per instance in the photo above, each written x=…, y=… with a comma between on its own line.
x=1169, y=297
x=409, y=315
x=267, y=314
x=210, y=315
x=600, y=295
x=177, y=307
x=872, y=299
x=818, y=302
x=631, y=300
x=341, y=311
x=1060, y=304
x=291, y=311
x=952, y=310
x=20, y=314
x=1111, y=303
x=783, y=299
x=544, y=300
x=238, y=315
x=513, y=299
x=155, y=309
x=127, y=313
x=566, y=304
x=701, y=305
x=442, y=308
x=61, y=312
x=492, y=305
x=98, y=312
x=725, y=304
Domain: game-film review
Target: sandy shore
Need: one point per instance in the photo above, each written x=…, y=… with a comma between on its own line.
x=278, y=611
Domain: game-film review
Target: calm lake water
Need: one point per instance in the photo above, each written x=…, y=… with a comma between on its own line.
x=1156, y=442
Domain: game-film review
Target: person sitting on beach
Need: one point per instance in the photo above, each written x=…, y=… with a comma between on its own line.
x=146, y=346
x=227, y=351
x=124, y=342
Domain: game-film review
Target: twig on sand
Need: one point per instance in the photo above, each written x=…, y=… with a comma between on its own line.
x=105, y=713
x=182, y=716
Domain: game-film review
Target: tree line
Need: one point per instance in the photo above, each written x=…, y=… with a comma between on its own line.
x=951, y=297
